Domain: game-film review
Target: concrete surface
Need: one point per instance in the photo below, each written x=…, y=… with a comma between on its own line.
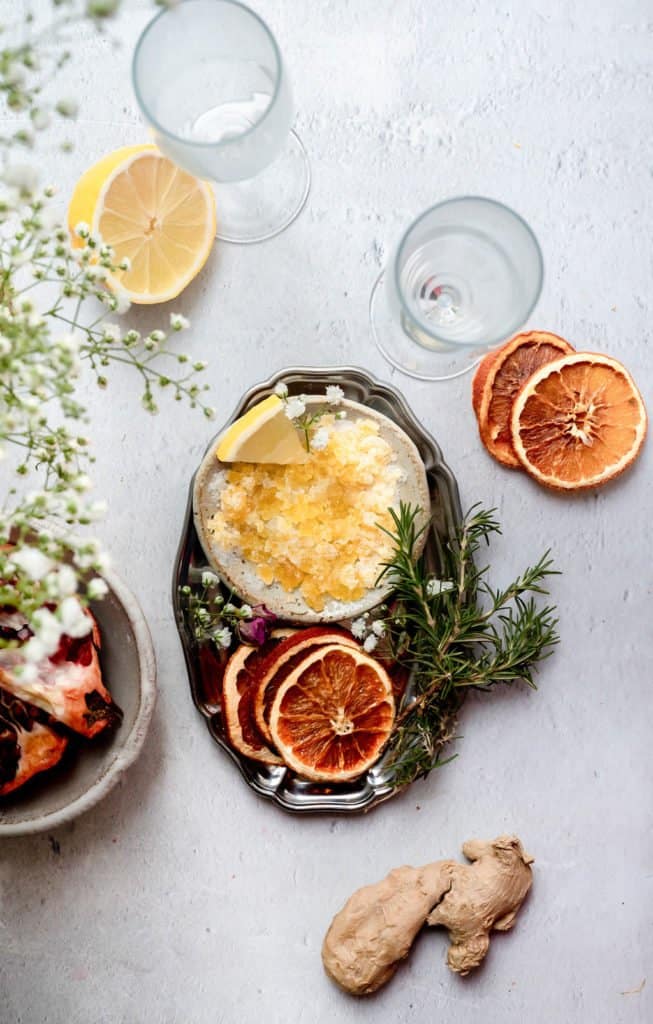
x=184, y=899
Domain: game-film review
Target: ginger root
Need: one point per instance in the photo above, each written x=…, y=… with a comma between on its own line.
x=373, y=933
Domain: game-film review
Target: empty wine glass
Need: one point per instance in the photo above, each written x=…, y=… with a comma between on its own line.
x=464, y=277
x=209, y=78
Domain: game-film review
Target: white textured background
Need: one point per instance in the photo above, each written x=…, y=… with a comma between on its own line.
x=185, y=899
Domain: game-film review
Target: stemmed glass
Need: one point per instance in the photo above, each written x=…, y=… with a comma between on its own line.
x=464, y=277
x=209, y=78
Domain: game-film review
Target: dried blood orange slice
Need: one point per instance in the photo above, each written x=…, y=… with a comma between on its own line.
x=498, y=379
x=280, y=662
x=333, y=714
x=578, y=422
x=238, y=692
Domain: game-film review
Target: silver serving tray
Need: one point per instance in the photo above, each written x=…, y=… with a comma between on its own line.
x=279, y=784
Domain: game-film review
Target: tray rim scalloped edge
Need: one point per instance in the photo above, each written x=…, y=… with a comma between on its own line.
x=371, y=789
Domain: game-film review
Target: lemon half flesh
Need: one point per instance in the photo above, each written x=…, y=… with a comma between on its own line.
x=263, y=434
x=150, y=211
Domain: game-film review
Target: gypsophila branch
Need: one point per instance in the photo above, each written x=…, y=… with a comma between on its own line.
x=58, y=297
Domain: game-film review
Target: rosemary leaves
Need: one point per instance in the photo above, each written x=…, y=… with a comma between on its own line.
x=457, y=634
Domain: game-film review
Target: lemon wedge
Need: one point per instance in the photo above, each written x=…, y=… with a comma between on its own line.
x=263, y=434
x=150, y=211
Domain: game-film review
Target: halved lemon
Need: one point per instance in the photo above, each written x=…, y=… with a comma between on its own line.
x=578, y=421
x=150, y=211
x=263, y=434
x=333, y=715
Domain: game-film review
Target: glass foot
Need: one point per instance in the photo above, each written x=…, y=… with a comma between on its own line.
x=262, y=207
x=408, y=355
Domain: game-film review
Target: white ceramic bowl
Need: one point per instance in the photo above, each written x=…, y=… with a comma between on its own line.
x=56, y=797
x=241, y=575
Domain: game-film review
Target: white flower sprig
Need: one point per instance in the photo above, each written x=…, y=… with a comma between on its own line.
x=315, y=438
x=54, y=304
x=369, y=631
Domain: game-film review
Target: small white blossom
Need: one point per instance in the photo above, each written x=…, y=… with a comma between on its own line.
x=245, y=611
x=341, y=415
x=14, y=75
x=378, y=628
x=209, y=578
x=370, y=643
x=125, y=264
x=40, y=119
x=435, y=586
x=334, y=394
x=66, y=581
x=33, y=562
x=359, y=628
x=121, y=302
x=97, y=588
x=24, y=177
x=82, y=230
x=222, y=636
x=73, y=620
x=96, y=510
x=82, y=483
x=281, y=390
x=294, y=408
x=67, y=107
x=111, y=332
x=34, y=650
x=47, y=627
x=179, y=322
x=320, y=439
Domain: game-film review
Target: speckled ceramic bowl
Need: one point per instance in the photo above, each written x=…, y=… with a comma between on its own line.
x=91, y=768
x=241, y=575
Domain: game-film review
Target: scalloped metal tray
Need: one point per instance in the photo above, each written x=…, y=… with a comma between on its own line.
x=281, y=785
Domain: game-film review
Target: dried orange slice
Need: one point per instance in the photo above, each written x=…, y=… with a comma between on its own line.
x=498, y=379
x=578, y=421
x=281, y=661
x=333, y=714
x=238, y=692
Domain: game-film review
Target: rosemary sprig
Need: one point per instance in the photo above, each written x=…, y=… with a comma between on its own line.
x=457, y=634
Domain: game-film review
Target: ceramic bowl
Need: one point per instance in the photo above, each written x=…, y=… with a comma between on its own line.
x=92, y=768
x=241, y=576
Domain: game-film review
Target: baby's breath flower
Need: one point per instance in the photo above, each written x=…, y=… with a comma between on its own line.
x=32, y=561
x=295, y=408
x=281, y=390
x=359, y=628
x=320, y=439
x=179, y=322
x=67, y=107
x=222, y=636
x=111, y=332
x=23, y=177
x=370, y=643
x=82, y=230
x=334, y=394
x=40, y=118
x=435, y=586
x=74, y=621
x=97, y=589
x=209, y=578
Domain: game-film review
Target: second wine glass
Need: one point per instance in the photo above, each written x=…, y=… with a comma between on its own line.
x=463, y=277
x=209, y=78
